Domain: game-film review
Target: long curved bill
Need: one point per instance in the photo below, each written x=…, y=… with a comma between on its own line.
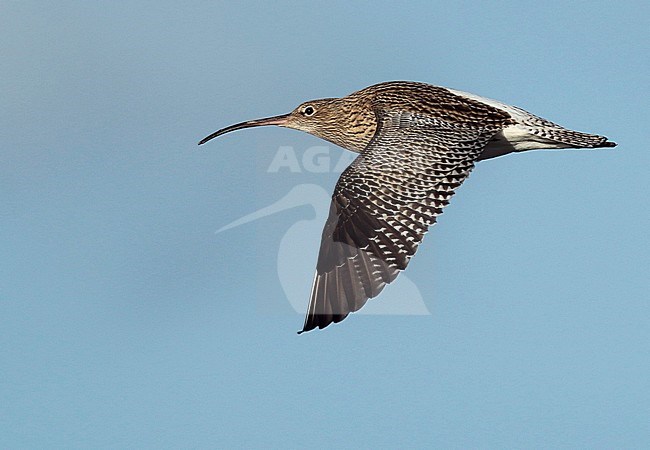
x=275, y=120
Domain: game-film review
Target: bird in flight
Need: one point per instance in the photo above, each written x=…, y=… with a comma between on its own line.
x=417, y=143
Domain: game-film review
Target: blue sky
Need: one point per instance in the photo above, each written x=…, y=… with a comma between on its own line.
x=127, y=322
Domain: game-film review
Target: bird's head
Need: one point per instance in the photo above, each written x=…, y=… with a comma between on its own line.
x=346, y=122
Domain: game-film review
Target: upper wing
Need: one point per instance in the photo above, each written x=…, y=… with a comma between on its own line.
x=384, y=203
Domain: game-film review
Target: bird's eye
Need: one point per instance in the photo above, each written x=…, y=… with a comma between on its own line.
x=308, y=111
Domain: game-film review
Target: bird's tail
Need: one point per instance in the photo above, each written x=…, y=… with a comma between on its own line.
x=573, y=139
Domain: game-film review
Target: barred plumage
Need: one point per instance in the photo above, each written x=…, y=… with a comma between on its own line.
x=417, y=144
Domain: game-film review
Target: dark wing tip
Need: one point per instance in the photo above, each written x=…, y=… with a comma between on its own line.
x=312, y=325
x=608, y=144
x=321, y=321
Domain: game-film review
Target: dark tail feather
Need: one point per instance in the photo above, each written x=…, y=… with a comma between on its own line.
x=573, y=139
